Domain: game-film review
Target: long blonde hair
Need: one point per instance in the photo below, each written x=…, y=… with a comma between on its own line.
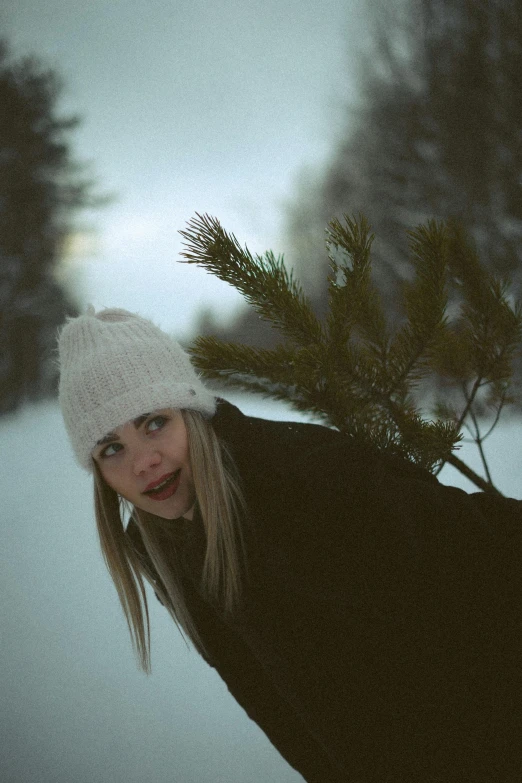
x=222, y=508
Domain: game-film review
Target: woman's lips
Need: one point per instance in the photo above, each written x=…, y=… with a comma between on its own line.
x=168, y=487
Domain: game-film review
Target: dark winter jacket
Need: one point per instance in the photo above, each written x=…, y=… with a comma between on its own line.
x=381, y=637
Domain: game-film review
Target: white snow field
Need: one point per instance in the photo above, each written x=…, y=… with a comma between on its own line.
x=75, y=707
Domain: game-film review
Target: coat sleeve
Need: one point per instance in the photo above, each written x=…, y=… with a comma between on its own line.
x=255, y=692
x=247, y=682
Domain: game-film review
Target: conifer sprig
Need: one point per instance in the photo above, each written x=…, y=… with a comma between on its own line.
x=425, y=301
x=490, y=329
x=481, y=342
x=354, y=304
x=241, y=364
x=264, y=281
x=353, y=373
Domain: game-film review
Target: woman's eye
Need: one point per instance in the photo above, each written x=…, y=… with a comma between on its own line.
x=111, y=449
x=156, y=423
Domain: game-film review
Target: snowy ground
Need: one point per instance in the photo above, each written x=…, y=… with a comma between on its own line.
x=74, y=705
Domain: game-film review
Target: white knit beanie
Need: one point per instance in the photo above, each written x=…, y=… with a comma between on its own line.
x=115, y=366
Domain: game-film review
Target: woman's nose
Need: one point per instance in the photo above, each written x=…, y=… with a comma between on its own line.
x=145, y=458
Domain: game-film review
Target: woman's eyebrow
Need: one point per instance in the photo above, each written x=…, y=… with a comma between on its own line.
x=140, y=419
x=112, y=436
x=109, y=438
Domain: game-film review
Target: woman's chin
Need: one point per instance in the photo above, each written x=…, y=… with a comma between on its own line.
x=166, y=510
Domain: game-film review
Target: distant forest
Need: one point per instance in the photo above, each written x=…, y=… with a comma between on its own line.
x=42, y=188
x=435, y=133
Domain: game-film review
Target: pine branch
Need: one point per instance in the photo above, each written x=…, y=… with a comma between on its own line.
x=478, y=440
x=470, y=474
x=428, y=442
x=481, y=344
x=492, y=330
x=354, y=303
x=353, y=373
x=425, y=302
x=221, y=360
x=263, y=280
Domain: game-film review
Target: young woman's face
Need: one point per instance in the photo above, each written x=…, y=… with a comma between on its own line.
x=146, y=461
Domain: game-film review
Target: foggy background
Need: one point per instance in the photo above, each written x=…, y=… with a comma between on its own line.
x=241, y=110
x=187, y=106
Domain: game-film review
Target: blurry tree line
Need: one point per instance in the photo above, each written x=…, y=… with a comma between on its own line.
x=42, y=187
x=436, y=133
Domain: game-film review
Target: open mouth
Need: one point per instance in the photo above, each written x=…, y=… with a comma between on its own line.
x=167, y=487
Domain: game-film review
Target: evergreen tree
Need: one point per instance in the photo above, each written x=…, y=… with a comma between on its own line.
x=41, y=187
x=353, y=369
x=436, y=134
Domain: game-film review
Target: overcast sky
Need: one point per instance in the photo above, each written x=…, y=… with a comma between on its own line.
x=189, y=106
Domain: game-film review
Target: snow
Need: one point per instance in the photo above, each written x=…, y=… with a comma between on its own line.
x=75, y=706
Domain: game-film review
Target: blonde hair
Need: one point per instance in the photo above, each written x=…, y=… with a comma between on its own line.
x=223, y=512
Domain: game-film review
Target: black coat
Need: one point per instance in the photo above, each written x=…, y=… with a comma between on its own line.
x=381, y=637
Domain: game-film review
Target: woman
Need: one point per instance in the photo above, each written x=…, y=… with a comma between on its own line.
x=364, y=615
